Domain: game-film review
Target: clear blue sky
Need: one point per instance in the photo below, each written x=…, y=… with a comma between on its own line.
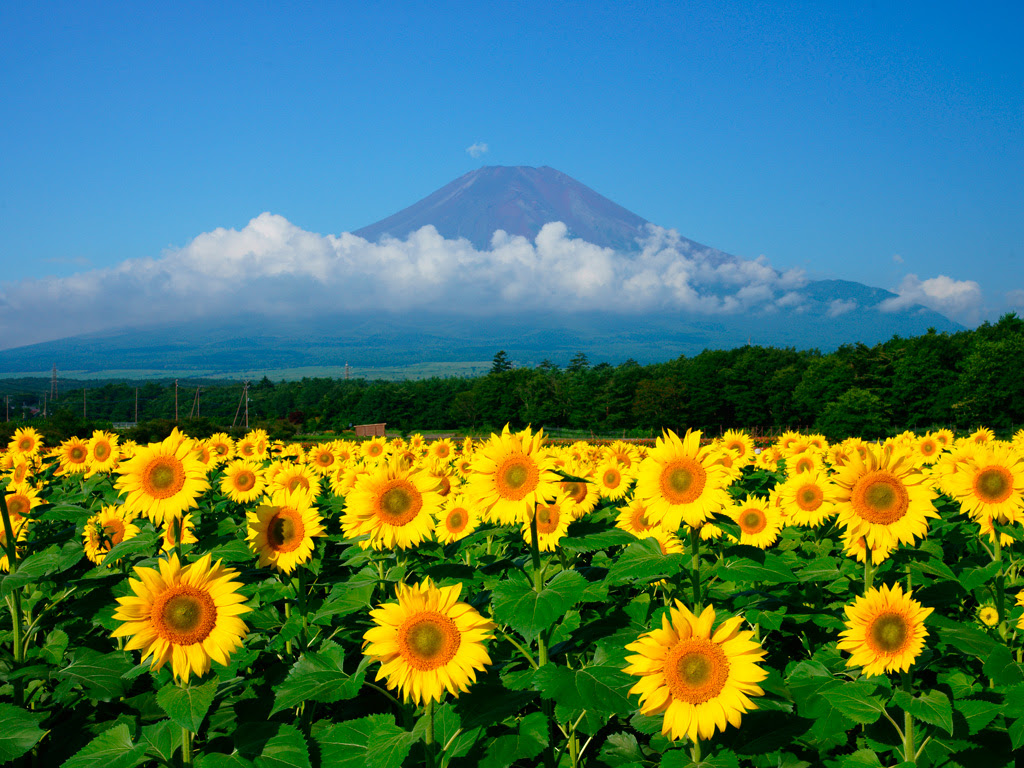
x=853, y=140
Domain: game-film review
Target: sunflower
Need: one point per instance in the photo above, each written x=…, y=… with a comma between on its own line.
x=805, y=462
x=613, y=479
x=105, y=530
x=221, y=446
x=183, y=615
x=988, y=615
x=991, y=484
x=928, y=449
x=21, y=468
x=282, y=528
x=511, y=474
x=699, y=678
x=374, y=449
x=633, y=519
x=982, y=436
x=680, y=481
x=583, y=493
x=442, y=449
x=344, y=478
x=740, y=444
x=443, y=475
x=428, y=642
x=322, y=459
x=26, y=441
x=1020, y=601
x=243, y=481
x=669, y=542
x=626, y=454
x=856, y=546
x=246, y=448
x=175, y=526
x=393, y=505
x=884, y=498
x=21, y=499
x=162, y=480
x=759, y=522
x=103, y=451
x=808, y=499
x=294, y=478
x=885, y=631
x=553, y=518
x=72, y=456
x=456, y=519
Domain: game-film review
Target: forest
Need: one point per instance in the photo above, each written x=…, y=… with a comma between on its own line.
x=961, y=380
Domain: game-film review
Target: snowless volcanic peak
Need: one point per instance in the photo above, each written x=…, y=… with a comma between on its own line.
x=519, y=200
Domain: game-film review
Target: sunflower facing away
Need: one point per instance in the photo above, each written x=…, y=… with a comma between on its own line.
x=698, y=678
x=162, y=479
x=885, y=631
x=428, y=642
x=105, y=530
x=282, y=528
x=185, y=615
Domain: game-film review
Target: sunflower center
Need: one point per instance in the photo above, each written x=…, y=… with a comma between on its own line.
x=428, y=640
x=163, y=478
x=17, y=505
x=25, y=444
x=577, y=491
x=285, y=530
x=400, y=503
x=245, y=480
x=113, y=530
x=696, y=670
x=78, y=454
x=928, y=448
x=457, y=520
x=547, y=519
x=889, y=633
x=611, y=478
x=298, y=482
x=682, y=481
x=442, y=451
x=325, y=459
x=517, y=477
x=879, y=497
x=752, y=521
x=184, y=615
x=101, y=451
x=640, y=521
x=993, y=484
x=803, y=464
x=809, y=498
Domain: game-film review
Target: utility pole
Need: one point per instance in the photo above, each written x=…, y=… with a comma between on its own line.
x=44, y=405
x=195, y=405
x=175, y=399
x=247, y=405
x=346, y=371
x=53, y=384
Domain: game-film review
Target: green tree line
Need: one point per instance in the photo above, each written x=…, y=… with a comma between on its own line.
x=957, y=380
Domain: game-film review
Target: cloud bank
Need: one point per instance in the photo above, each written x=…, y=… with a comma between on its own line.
x=959, y=299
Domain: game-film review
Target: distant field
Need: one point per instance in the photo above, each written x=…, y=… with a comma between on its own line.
x=392, y=373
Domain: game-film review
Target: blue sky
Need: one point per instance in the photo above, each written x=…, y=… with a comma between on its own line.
x=861, y=141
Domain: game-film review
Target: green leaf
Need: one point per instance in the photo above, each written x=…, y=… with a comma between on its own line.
x=1002, y=667
x=317, y=677
x=862, y=758
x=143, y=543
x=856, y=702
x=30, y=570
x=614, y=537
x=529, y=742
x=346, y=745
x=19, y=731
x=222, y=761
x=966, y=639
x=388, y=747
x=620, y=749
x=111, y=749
x=162, y=740
x=187, y=706
x=643, y=562
x=977, y=713
x=515, y=602
x=774, y=570
x=932, y=707
x=286, y=749
x=975, y=577
x=54, y=647
x=343, y=600
x=100, y=674
x=1016, y=731
x=820, y=569
x=604, y=689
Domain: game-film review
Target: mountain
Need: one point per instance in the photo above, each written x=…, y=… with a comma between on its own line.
x=821, y=314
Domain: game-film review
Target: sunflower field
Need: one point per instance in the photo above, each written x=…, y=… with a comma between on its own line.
x=507, y=602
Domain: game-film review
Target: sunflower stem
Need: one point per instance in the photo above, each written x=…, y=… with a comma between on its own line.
x=869, y=570
x=287, y=615
x=542, y=646
x=300, y=593
x=15, y=602
x=695, y=568
x=186, y=748
x=909, y=753
x=997, y=556
x=178, y=525
x=695, y=752
x=428, y=750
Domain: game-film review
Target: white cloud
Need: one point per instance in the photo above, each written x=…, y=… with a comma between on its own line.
x=1015, y=298
x=477, y=149
x=897, y=258
x=273, y=267
x=838, y=307
x=958, y=299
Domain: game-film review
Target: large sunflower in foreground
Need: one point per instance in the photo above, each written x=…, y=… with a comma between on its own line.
x=512, y=473
x=185, y=615
x=884, y=498
x=282, y=528
x=699, y=678
x=162, y=479
x=393, y=505
x=885, y=631
x=428, y=642
x=680, y=481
